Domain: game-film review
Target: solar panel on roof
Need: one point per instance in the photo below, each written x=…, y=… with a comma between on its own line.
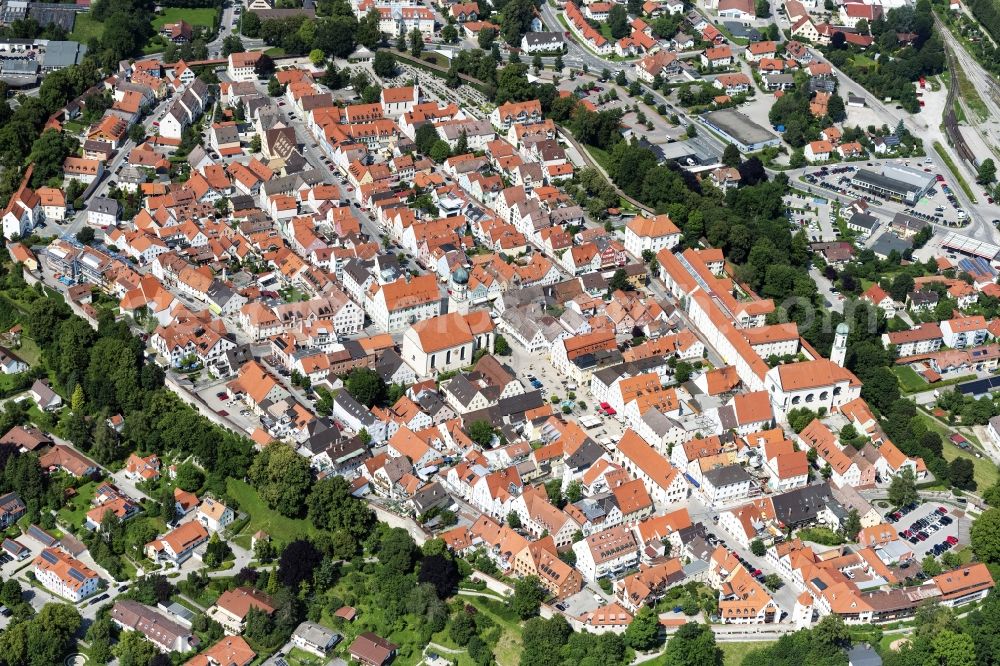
x=77, y=575
x=980, y=386
x=49, y=557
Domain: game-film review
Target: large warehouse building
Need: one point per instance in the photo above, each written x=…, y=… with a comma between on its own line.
x=895, y=182
x=739, y=130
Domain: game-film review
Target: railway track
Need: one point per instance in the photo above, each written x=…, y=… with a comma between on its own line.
x=955, y=137
x=950, y=120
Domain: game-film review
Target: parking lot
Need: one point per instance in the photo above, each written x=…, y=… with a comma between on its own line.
x=939, y=206
x=813, y=214
x=222, y=402
x=928, y=530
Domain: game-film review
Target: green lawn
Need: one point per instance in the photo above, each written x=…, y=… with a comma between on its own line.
x=29, y=351
x=600, y=156
x=275, y=52
x=733, y=653
x=863, y=62
x=909, y=380
x=7, y=382
x=74, y=513
x=86, y=27
x=299, y=657
x=279, y=527
x=202, y=16
x=984, y=470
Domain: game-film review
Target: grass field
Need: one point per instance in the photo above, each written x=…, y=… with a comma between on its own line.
x=909, y=380
x=275, y=52
x=733, y=653
x=954, y=171
x=280, y=528
x=74, y=513
x=600, y=156
x=971, y=96
x=85, y=28
x=201, y=16
x=984, y=470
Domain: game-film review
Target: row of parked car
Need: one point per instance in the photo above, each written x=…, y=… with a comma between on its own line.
x=899, y=513
x=920, y=530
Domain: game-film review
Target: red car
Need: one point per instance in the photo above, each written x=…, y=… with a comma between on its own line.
x=952, y=540
x=222, y=412
x=222, y=395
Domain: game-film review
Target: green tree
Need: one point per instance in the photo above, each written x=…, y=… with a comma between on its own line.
x=903, y=489
x=275, y=89
x=514, y=520
x=930, y=566
x=486, y=37
x=250, y=25
x=515, y=20
x=757, y=548
x=449, y=34
x=987, y=172
x=134, y=649
x=189, y=477
x=692, y=645
x=86, y=235
x=463, y=626
x=481, y=432
x=282, y=478
x=527, y=598
x=799, y=418
x=643, y=633
x=500, y=346
x=332, y=507
x=902, y=284
x=369, y=34
x=618, y=21
x=425, y=138
x=731, y=156
x=952, y=648
x=416, y=43
x=48, y=153
x=619, y=280
x=384, y=64
x=986, y=536
x=852, y=525
x=682, y=372
x=960, y=474
x=462, y=145
x=366, y=386
x=440, y=151
x=137, y=133
x=316, y=57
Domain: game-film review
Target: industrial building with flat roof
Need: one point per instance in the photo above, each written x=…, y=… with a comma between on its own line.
x=737, y=128
x=894, y=182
